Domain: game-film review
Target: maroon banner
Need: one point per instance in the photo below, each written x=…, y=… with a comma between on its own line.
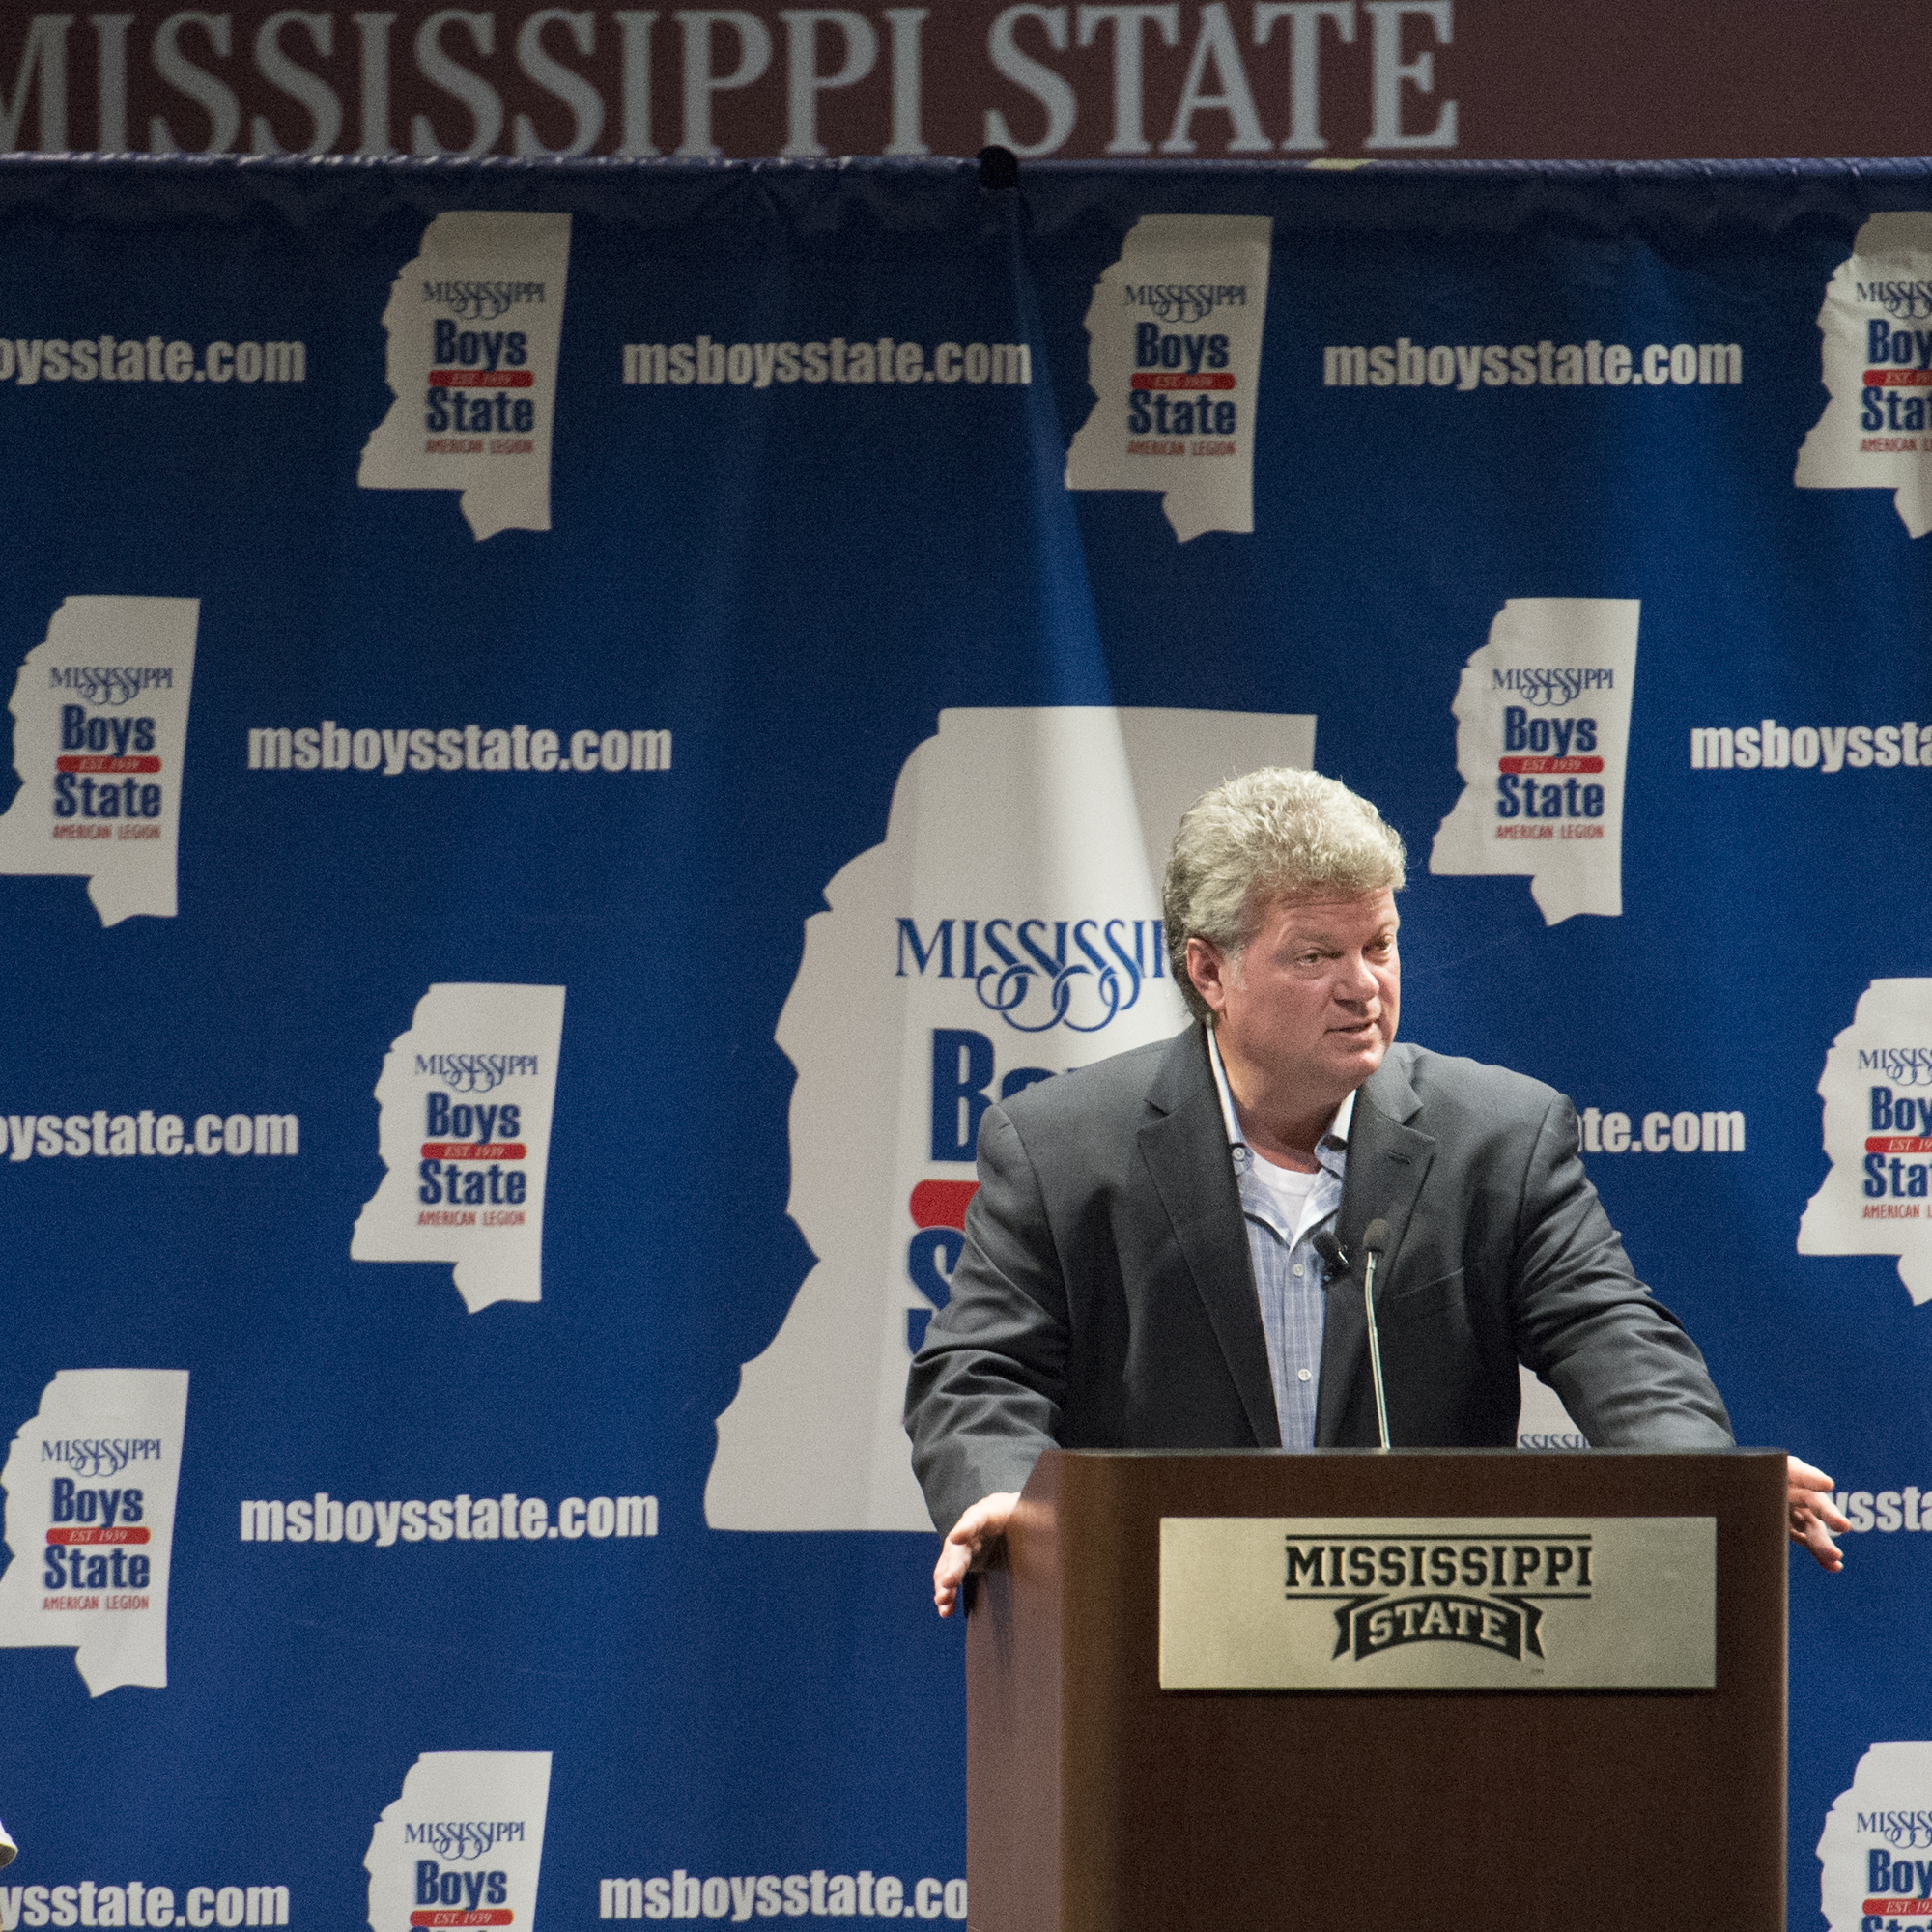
x=1322, y=79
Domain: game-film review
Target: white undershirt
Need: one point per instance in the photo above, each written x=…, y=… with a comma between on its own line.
x=1287, y=1189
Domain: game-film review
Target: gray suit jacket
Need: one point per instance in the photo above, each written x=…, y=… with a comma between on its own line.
x=1105, y=1298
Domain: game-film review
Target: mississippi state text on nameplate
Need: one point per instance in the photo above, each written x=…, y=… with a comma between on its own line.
x=1438, y=1603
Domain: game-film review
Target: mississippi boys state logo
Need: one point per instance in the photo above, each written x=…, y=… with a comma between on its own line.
x=1175, y=359
x=1876, y=322
x=90, y=1487
x=1009, y=928
x=99, y=735
x=463, y=1845
x=1877, y=1091
x=475, y=326
x=1541, y=744
x=464, y=1099
x=1875, y=1852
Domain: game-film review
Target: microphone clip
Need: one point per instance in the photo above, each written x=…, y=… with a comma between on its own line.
x=1334, y=1255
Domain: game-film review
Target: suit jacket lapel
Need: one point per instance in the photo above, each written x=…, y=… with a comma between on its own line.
x=1387, y=1160
x=1185, y=1148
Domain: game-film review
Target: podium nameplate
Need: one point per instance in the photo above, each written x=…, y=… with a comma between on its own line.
x=1438, y=1603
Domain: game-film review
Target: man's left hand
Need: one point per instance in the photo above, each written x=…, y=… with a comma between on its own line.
x=1814, y=1516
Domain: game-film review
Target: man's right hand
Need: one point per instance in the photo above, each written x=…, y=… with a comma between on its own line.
x=966, y=1545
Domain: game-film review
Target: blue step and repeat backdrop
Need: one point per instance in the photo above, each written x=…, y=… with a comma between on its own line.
x=463, y=1232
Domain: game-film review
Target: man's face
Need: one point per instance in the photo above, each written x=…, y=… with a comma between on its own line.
x=1311, y=1003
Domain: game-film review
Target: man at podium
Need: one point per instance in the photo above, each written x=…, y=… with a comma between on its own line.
x=1161, y=1249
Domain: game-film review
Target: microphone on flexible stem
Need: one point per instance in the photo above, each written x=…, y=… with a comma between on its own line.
x=1335, y=1259
x=1375, y=1239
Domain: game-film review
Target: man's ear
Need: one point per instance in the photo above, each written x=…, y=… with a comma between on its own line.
x=1208, y=967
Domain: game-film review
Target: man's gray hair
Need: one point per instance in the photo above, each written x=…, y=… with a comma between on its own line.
x=1271, y=835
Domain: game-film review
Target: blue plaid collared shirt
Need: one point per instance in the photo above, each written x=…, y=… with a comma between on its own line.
x=1289, y=1275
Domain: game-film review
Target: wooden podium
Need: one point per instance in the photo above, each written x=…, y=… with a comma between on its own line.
x=1100, y=1802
